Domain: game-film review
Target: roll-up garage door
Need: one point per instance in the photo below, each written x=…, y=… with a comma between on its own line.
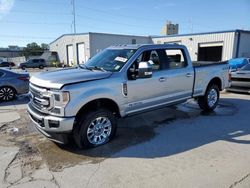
x=70, y=55
x=210, y=51
x=81, y=53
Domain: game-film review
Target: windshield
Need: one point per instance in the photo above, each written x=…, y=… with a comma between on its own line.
x=110, y=59
x=246, y=67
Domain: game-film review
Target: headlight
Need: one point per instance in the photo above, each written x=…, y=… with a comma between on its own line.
x=58, y=101
x=61, y=99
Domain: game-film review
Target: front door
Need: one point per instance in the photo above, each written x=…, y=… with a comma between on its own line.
x=172, y=81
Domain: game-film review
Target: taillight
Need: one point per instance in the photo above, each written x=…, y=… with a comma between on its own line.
x=229, y=76
x=23, y=78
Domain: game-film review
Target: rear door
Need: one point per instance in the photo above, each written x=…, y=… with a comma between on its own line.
x=35, y=63
x=178, y=75
x=42, y=62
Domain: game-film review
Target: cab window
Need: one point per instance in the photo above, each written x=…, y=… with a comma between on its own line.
x=175, y=59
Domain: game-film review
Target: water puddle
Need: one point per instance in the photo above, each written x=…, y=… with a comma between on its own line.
x=131, y=131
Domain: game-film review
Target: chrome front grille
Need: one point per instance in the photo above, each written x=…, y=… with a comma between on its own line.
x=39, y=101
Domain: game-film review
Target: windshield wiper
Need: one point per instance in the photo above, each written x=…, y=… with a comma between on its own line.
x=98, y=68
x=83, y=66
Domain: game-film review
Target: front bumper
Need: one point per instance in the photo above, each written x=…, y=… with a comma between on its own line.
x=50, y=125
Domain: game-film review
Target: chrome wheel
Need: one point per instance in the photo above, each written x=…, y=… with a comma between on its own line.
x=7, y=94
x=212, y=97
x=99, y=130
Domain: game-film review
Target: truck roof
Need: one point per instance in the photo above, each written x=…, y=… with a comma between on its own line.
x=137, y=46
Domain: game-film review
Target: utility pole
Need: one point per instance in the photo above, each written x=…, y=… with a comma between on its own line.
x=74, y=31
x=74, y=15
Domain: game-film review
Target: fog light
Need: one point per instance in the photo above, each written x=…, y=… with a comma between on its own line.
x=57, y=97
x=53, y=124
x=56, y=111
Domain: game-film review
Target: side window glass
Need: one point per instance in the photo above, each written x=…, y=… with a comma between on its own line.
x=175, y=59
x=154, y=60
x=35, y=60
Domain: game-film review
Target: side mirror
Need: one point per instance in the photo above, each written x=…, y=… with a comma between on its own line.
x=145, y=70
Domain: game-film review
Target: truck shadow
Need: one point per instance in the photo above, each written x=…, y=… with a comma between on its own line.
x=157, y=134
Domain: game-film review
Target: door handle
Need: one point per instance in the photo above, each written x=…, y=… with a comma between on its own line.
x=162, y=79
x=189, y=75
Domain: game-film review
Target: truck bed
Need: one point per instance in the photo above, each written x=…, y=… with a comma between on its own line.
x=207, y=63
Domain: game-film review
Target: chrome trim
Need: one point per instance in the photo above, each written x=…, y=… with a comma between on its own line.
x=65, y=123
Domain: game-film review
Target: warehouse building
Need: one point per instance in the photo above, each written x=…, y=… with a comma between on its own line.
x=78, y=48
x=212, y=46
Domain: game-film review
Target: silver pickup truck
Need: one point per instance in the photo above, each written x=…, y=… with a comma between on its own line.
x=84, y=101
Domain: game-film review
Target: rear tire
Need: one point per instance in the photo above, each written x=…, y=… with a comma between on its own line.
x=23, y=67
x=7, y=93
x=94, y=128
x=210, y=100
x=41, y=66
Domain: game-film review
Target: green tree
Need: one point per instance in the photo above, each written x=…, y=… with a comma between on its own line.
x=33, y=49
x=45, y=46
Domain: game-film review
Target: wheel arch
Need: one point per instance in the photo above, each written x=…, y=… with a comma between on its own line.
x=217, y=81
x=95, y=104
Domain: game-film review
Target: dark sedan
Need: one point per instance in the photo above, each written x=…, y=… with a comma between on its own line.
x=241, y=80
x=12, y=83
x=7, y=64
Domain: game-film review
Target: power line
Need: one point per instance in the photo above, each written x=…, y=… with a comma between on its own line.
x=39, y=12
x=41, y=2
x=114, y=22
x=25, y=37
x=83, y=7
x=35, y=23
x=120, y=15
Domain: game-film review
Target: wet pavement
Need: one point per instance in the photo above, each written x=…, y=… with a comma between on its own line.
x=167, y=137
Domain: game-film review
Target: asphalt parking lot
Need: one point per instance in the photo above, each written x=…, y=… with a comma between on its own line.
x=179, y=146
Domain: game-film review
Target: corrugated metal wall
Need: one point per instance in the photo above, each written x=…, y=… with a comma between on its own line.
x=60, y=45
x=244, y=46
x=99, y=41
x=94, y=43
x=192, y=42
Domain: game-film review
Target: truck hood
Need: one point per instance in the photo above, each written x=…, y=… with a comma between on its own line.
x=57, y=79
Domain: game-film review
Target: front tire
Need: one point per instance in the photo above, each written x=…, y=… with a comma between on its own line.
x=210, y=100
x=7, y=93
x=94, y=128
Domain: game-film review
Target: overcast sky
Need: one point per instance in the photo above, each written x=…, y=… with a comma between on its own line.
x=25, y=21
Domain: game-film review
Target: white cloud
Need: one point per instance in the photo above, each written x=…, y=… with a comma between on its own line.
x=5, y=7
